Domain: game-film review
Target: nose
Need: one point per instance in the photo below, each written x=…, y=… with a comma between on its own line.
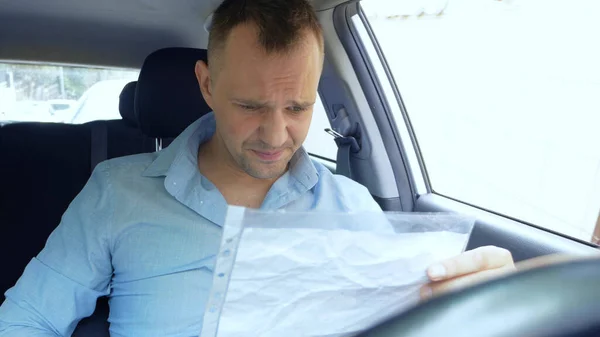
x=274, y=129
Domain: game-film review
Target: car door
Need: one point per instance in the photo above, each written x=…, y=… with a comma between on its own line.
x=485, y=108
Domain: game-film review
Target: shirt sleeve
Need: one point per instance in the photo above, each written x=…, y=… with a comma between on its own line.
x=60, y=286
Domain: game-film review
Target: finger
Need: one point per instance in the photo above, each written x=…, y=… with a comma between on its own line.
x=482, y=258
x=438, y=288
x=442, y=287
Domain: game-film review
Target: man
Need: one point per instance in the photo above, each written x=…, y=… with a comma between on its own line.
x=145, y=228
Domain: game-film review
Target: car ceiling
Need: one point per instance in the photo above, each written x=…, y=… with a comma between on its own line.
x=117, y=33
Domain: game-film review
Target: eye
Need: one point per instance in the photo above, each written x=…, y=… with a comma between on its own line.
x=248, y=107
x=297, y=109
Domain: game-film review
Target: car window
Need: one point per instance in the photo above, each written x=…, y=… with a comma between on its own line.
x=503, y=100
x=60, y=94
x=69, y=94
x=318, y=142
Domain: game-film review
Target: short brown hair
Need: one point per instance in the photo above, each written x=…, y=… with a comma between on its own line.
x=280, y=23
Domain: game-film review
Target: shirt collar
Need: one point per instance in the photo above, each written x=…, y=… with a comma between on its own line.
x=188, y=141
x=183, y=151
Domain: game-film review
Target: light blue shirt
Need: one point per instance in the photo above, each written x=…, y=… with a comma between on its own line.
x=144, y=231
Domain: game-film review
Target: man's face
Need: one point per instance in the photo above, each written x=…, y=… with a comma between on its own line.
x=262, y=102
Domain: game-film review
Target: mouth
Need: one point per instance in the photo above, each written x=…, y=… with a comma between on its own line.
x=268, y=156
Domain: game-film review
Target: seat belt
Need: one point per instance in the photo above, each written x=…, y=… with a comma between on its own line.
x=99, y=142
x=346, y=146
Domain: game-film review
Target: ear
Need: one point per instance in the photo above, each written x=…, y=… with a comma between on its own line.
x=203, y=77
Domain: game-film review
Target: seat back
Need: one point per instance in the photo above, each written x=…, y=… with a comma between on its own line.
x=44, y=166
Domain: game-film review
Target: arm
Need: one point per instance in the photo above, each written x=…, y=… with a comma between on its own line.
x=60, y=286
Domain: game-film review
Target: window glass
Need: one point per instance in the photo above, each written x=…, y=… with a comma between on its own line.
x=503, y=99
x=60, y=94
x=318, y=142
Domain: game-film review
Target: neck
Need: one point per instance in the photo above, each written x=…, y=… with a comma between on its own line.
x=236, y=186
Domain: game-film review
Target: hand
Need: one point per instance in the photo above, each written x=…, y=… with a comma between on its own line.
x=466, y=269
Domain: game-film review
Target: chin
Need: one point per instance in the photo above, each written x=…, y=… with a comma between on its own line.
x=267, y=171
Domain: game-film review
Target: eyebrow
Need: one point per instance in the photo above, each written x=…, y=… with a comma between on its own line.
x=248, y=102
x=303, y=104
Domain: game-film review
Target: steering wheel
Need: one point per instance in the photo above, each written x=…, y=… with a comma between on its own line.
x=556, y=300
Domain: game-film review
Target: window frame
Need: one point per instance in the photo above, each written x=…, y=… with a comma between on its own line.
x=409, y=183
x=406, y=147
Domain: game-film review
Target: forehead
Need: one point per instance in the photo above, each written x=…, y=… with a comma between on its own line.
x=246, y=65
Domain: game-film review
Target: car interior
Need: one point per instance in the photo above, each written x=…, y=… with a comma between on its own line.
x=44, y=165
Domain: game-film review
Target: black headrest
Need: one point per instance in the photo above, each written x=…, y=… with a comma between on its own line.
x=168, y=98
x=126, y=103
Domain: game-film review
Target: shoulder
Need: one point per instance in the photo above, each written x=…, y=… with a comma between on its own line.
x=116, y=176
x=352, y=195
x=137, y=162
x=127, y=167
x=342, y=183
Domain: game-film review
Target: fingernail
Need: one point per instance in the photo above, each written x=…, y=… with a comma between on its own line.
x=437, y=271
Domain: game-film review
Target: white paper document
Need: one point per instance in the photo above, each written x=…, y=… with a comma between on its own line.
x=286, y=274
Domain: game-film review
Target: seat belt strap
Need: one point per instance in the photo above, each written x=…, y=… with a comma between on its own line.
x=346, y=146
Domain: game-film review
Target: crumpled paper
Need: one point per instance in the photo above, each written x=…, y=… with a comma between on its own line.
x=310, y=280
